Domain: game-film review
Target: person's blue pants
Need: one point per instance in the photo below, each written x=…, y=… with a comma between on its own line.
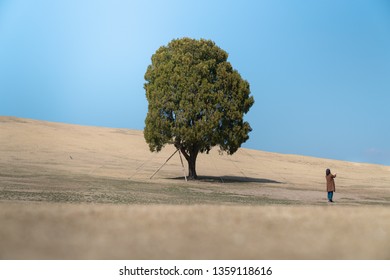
x=330, y=195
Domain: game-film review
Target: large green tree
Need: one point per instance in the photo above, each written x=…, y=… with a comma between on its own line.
x=196, y=100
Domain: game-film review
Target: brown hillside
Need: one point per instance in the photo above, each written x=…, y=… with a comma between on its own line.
x=77, y=192
x=32, y=151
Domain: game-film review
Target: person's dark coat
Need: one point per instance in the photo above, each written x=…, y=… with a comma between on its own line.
x=330, y=185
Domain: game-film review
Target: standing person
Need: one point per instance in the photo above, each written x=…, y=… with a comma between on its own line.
x=330, y=185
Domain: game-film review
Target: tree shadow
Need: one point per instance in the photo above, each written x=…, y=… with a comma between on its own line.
x=232, y=179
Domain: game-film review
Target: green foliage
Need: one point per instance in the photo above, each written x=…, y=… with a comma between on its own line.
x=196, y=99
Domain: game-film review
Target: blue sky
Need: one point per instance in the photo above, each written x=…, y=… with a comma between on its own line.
x=319, y=70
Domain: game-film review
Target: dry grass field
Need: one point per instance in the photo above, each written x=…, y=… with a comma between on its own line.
x=77, y=192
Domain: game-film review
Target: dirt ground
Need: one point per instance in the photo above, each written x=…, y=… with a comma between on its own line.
x=76, y=192
x=90, y=231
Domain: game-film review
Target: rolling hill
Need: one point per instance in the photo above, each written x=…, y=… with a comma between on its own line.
x=78, y=192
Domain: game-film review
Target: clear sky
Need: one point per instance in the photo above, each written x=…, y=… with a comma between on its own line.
x=319, y=70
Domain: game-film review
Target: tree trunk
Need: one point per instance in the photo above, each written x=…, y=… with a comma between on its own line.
x=192, y=167
x=191, y=159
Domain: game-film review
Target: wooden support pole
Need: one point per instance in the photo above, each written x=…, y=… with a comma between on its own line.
x=184, y=170
x=163, y=164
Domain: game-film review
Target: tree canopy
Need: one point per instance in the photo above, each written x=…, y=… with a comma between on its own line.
x=196, y=100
